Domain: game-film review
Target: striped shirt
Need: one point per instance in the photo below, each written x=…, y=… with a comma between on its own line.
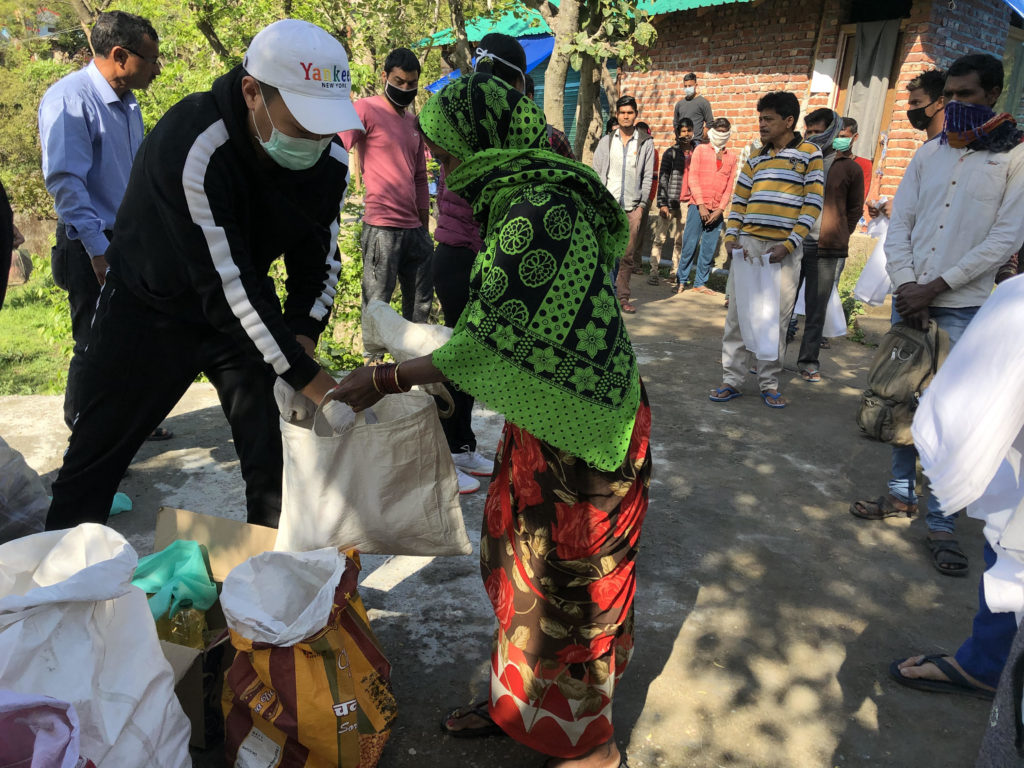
x=778, y=194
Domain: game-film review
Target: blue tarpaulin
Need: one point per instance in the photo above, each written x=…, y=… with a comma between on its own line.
x=1017, y=5
x=537, y=50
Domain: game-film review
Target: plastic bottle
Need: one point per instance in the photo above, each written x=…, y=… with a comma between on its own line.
x=187, y=626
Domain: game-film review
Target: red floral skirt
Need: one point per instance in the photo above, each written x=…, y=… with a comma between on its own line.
x=556, y=555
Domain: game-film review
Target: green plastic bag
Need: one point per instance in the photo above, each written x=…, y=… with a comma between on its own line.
x=179, y=572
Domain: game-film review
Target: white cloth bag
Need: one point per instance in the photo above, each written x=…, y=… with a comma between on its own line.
x=384, y=488
x=835, y=316
x=758, y=288
x=73, y=627
x=874, y=284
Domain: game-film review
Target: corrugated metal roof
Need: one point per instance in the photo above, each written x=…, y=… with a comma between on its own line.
x=524, y=22
x=659, y=7
x=520, y=23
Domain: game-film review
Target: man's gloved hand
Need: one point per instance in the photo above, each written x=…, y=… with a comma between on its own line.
x=294, y=406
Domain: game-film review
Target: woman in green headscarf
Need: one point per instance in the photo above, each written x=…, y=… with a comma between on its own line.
x=543, y=342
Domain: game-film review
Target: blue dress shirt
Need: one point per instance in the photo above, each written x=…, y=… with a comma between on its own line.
x=89, y=138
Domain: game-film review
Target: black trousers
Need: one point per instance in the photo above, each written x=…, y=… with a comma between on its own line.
x=451, y=268
x=818, y=276
x=72, y=271
x=138, y=364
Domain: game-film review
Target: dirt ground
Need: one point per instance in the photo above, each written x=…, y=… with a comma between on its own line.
x=766, y=614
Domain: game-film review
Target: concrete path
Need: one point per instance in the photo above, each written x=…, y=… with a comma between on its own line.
x=766, y=614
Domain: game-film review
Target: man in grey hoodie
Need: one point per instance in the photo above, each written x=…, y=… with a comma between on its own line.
x=624, y=159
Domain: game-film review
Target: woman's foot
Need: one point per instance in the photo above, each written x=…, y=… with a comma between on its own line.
x=470, y=722
x=606, y=755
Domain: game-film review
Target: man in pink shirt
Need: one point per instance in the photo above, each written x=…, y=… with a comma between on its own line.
x=395, y=242
x=709, y=182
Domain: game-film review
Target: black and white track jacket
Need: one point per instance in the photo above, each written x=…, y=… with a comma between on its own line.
x=206, y=213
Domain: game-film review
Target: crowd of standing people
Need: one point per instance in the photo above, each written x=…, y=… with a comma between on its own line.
x=164, y=243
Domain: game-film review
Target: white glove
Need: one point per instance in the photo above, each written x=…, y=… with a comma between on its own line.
x=341, y=416
x=294, y=406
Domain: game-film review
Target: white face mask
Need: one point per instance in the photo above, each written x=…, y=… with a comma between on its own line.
x=690, y=90
x=290, y=152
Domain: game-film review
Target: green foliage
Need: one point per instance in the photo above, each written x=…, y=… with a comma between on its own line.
x=21, y=89
x=35, y=335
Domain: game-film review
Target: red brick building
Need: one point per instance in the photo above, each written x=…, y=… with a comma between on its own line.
x=741, y=50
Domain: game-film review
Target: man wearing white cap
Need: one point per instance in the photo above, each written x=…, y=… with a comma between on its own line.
x=229, y=180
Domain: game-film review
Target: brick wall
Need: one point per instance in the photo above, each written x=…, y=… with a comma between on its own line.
x=740, y=52
x=935, y=36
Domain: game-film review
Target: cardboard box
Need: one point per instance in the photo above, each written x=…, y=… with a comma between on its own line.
x=199, y=675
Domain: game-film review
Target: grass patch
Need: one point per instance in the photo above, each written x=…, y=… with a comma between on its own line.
x=33, y=360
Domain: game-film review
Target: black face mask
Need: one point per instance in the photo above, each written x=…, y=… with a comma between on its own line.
x=919, y=118
x=399, y=97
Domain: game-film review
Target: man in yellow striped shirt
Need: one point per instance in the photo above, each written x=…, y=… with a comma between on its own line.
x=778, y=197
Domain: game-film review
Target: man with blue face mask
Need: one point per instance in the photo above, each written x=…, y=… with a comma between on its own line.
x=696, y=108
x=228, y=181
x=957, y=217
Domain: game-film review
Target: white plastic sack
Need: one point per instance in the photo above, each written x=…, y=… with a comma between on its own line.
x=281, y=598
x=758, y=288
x=384, y=330
x=835, y=317
x=73, y=627
x=874, y=284
x=384, y=488
x=23, y=500
x=38, y=732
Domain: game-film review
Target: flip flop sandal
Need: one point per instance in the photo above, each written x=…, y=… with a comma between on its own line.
x=947, y=552
x=160, y=434
x=724, y=394
x=628, y=308
x=480, y=710
x=881, y=508
x=772, y=401
x=811, y=377
x=653, y=280
x=957, y=683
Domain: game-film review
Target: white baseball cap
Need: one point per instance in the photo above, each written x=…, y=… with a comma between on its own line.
x=310, y=69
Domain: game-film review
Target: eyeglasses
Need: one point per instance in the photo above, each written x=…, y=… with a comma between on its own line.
x=153, y=61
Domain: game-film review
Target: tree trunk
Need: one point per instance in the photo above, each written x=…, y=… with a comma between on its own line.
x=86, y=17
x=462, y=57
x=565, y=24
x=589, y=122
x=206, y=28
x=611, y=89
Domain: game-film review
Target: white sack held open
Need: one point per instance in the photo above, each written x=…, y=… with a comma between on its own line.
x=73, y=627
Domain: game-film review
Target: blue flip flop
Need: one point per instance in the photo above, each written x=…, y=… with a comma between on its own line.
x=724, y=394
x=772, y=401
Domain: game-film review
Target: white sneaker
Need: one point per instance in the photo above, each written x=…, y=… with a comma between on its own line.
x=467, y=484
x=473, y=463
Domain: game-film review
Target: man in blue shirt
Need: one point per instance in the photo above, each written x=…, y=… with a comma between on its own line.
x=90, y=128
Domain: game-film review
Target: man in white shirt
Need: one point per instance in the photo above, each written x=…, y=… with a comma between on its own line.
x=957, y=216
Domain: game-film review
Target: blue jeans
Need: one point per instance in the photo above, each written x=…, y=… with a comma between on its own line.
x=694, y=234
x=953, y=320
x=984, y=653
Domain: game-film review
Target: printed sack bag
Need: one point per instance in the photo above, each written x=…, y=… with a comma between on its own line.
x=309, y=686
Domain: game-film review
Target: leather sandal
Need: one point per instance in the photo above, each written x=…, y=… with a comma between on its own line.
x=882, y=507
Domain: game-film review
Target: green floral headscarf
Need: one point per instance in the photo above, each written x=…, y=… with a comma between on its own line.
x=542, y=339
